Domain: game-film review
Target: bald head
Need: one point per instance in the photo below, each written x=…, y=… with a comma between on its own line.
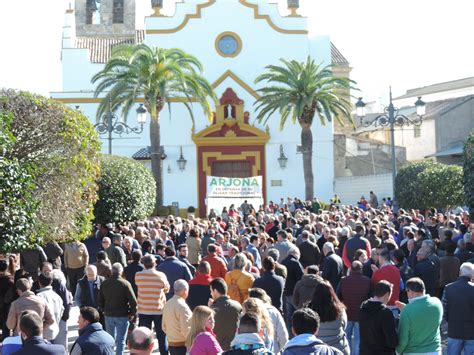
x=141, y=341
x=91, y=272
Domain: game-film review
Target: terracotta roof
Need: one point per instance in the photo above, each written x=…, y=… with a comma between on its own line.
x=144, y=154
x=336, y=56
x=100, y=48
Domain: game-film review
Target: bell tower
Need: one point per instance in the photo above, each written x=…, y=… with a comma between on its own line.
x=98, y=18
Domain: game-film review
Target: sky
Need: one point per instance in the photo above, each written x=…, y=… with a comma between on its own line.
x=402, y=43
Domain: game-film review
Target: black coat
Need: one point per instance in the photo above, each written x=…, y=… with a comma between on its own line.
x=310, y=253
x=39, y=346
x=130, y=271
x=378, y=335
x=295, y=272
x=428, y=271
x=332, y=269
x=273, y=286
x=458, y=302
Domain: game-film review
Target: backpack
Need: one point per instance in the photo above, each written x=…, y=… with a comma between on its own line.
x=233, y=290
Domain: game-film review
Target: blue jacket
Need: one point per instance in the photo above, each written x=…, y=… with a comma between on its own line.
x=273, y=285
x=38, y=346
x=94, y=340
x=93, y=245
x=174, y=269
x=295, y=272
x=308, y=344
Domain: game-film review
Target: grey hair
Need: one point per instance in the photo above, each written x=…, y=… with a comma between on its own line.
x=239, y=261
x=467, y=269
x=57, y=274
x=468, y=237
x=274, y=253
x=461, y=243
x=180, y=285
x=328, y=246
x=117, y=269
x=430, y=245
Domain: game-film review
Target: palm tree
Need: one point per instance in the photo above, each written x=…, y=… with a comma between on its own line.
x=157, y=75
x=301, y=90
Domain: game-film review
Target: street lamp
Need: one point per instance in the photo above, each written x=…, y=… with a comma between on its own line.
x=391, y=117
x=282, y=160
x=181, y=161
x=111, y=124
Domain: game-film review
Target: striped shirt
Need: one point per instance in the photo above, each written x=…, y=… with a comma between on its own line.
x=152, y=286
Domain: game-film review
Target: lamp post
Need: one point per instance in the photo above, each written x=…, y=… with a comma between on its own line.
x=181, y=161
x=111, y=124
x=391, y=117
x=282, y=160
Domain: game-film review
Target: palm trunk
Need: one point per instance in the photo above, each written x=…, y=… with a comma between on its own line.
x=156, y=162
x=307, y=150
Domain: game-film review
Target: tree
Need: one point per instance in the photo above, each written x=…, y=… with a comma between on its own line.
x=303, y=90
x=468, y=159
x=428, y=184
x=158, y=75
x=59, y=148
x=127, y=191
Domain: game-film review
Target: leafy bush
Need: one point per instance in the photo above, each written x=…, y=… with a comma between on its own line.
x=127, y=191
x=427, y=184
x=191, y=209
x=62, y=147
x=17, y=205
x=468, y=159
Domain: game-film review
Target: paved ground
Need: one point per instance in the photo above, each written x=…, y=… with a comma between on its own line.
x=73, y=328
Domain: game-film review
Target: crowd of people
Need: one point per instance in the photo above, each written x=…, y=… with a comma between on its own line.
x=287, y=278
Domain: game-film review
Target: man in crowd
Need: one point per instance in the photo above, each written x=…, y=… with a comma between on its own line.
x=419, y=328
x=388, y=272
x=352, y=291
x=131, y=269
x=295, y=272
x=305, y=328
x=356, y=242
x=173, y=269
x=280, y=269
x=378, y=333
x=117, y=300
x=103, y=265
x=177, y=318
x=54, y=302
x=271, y=283
x=304, y=288
x=449, y=267
x=141, y=341
x=28, y=301
x=227, y=313
x=76, y=258
x=333, y=267
x=199, y=291
x=253, y=249
x=31, y=327
x=152, y=287
x=115, y=251
x=218, y=267
x=92, y=339
x=283, y=245
x=427, y=270
x=310, y=253
x=458, y=302
x=248, y=337
x=87, y=292
x=183, y=256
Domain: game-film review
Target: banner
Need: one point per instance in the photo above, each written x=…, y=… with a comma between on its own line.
x=234, y=187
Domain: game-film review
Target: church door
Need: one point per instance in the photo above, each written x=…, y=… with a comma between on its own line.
x=235, y=169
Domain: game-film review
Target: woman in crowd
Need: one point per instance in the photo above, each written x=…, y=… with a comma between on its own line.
x=201, y=339
x=332, y=313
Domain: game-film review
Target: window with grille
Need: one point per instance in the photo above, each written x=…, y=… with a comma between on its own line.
x=118, y=11
x=92, y=12
x=417, y=131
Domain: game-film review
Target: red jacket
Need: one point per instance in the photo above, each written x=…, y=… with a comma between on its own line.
x=201, y=279
x=353, y=290
x=391, y=274
x=218, y=268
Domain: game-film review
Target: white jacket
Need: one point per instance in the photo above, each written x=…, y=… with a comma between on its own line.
x=55, y=304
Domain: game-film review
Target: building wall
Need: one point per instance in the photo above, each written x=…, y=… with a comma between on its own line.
x=351, y=188
x=262, y=45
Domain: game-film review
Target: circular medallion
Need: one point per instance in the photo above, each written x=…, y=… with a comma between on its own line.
x=228, y=44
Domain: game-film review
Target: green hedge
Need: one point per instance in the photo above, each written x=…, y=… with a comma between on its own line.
x=427, y=184
x=127, y=191
x=468, y=179
x=60, y=147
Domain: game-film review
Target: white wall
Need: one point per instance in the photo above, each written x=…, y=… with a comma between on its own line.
x=351, y=188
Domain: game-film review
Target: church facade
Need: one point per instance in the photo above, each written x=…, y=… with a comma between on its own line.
x=234, y=40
